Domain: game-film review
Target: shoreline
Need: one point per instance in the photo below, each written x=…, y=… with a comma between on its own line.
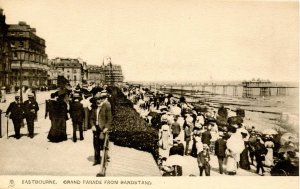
x=259, y=115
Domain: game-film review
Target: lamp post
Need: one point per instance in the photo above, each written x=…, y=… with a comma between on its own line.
x=21, y=57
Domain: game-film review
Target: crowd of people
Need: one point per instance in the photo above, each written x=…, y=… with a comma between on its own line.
x=88, y=109
x=185, y=130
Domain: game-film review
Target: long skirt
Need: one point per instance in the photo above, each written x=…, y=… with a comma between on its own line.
x=57, y=131
x=231, y=164
x=165, y=140
x=244, y=160
x=269, y=161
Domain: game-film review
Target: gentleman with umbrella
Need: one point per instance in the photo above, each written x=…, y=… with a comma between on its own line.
x=15, y=111
x=101, y=118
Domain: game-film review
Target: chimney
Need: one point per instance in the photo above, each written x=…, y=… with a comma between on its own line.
x=33, y=30
x=1, y=11
x=22, y=23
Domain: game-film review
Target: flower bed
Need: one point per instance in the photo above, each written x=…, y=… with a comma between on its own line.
x=129, y=129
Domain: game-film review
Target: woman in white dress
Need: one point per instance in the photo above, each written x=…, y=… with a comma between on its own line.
x=269, y=161
x=165, y=139
x=235, y=145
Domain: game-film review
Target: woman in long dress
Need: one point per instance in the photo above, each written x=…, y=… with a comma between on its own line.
x=165, y=139
x=235, y=145
x=58, y=131
x=244, y=160
x=269, y=161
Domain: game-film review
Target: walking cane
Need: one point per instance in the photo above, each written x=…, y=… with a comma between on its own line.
x=7, y=127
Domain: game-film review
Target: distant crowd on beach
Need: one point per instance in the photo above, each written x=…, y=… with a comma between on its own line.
x=202, y=132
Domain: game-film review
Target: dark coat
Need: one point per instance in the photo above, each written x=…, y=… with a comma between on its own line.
x=206, y=136
x=77, y=111
x=61, y=109
x=177, y=149
x=16, y=110
x=50, y=104
x=175, y=128
x=260, y=151
x=220, y=147
x=104, y=117
x=30, y=108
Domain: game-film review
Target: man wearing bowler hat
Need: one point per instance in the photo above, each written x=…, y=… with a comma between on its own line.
x=101, y=118
x=77, y=114
x=15, y=111
x=31, y=108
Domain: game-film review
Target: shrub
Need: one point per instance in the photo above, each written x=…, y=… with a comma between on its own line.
x=129, y=129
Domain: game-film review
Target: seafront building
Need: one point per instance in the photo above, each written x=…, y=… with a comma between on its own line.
x=5, y=52
x=107, y=73
x=23, y=60
x=74, y=70
x=113, y=72
x=29, y=49
x=96, y=74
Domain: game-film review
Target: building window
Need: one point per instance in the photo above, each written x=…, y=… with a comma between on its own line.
x=21, y=44
x=75, y=79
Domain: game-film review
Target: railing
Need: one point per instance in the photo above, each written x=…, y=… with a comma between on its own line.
x=105, y=157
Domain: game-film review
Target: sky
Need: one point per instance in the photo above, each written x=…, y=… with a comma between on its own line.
x=170, y=40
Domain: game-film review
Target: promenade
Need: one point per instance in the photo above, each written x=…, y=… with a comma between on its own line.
x=38, y=156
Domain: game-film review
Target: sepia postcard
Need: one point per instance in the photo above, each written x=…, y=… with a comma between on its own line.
x=149, y=94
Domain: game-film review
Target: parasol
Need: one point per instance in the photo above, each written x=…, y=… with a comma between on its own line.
x=286, y=148
x=269, y=132
x=288, y=137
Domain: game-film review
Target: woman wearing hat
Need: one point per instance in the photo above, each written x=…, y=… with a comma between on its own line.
x=269, y=144
x=235, y=145
x=165, y=134
x=58, y=131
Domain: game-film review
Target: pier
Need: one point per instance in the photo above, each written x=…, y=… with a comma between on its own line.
x=245, y=89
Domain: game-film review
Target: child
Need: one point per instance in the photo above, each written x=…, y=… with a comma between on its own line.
x=203, y=160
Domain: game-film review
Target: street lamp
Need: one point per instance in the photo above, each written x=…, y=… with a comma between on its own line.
x=21, y=57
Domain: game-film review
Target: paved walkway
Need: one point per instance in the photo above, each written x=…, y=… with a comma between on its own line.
x=37, y=156
x=130, y=162
x=41, y=97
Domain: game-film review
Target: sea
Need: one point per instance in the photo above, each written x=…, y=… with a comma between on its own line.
x=277, y=109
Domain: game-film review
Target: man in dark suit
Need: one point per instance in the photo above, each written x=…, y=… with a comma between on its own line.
x=101, y=118
x=31, y=108
x=77, y=114
x=220, y=148
x=206, y=136
x=15, y=111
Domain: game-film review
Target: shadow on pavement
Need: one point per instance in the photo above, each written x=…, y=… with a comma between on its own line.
x=90, y=158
